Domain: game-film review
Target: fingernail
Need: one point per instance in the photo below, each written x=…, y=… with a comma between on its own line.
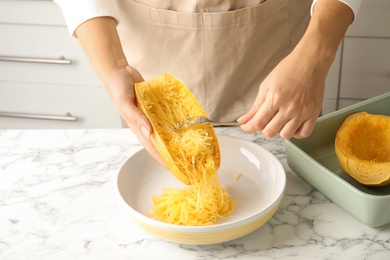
x=239, y=120
x=145, y=131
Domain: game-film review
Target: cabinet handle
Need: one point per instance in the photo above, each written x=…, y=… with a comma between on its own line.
x=60, y=60
x=66, y=117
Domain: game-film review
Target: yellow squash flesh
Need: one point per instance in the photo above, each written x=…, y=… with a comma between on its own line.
x=362, y=147
x=166, y=101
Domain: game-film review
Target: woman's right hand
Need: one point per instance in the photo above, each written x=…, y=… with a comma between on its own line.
x=121, y=89
x=101, y=43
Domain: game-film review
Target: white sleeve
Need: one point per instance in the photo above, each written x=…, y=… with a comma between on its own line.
x=78, y=11
x=353, y=4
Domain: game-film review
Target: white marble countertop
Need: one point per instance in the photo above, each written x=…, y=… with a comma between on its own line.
x=58, y=201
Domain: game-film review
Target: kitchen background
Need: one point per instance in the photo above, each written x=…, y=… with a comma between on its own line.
x=44, y=73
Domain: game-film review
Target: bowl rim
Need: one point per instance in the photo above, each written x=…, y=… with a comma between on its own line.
x=219, y=226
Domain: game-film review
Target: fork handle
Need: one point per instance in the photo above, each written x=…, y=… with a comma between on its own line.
x=225, y=124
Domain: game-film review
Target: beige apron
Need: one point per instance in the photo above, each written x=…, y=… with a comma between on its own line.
x=222, y=50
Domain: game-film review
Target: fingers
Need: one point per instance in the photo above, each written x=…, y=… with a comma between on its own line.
x=142, y=128
x=305, y=129
x=260, y=120
x=252, y=121
x=286, y=129
x=262, y=114
x=275, y=117
x=297, y=129
x=252, y=112
x=125, y=101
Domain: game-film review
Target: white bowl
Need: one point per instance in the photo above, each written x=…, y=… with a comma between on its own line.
x=258, y=191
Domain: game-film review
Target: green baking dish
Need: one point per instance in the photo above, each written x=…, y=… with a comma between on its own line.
x=314, y=160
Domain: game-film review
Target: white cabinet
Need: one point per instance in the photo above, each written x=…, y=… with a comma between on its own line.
x=39, y=105
x=46, y=80
x=361, y=69
x=43, y=54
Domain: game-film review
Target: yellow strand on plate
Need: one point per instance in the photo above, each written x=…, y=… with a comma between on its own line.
x=204, y=201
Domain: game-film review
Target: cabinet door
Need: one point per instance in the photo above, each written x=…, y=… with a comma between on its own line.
x=365, y=68
x=22, y=106
x=32, y=12
x=43, y=54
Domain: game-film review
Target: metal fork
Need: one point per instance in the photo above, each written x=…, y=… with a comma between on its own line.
x=194, y=120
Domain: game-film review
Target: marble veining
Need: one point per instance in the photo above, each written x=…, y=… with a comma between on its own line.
x=58, y=201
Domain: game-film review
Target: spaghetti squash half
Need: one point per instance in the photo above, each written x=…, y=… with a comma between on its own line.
x=362, y=146
x=192, y=154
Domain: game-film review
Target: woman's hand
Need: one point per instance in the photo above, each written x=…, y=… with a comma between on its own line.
x=102, y=45
x=120, y=85
x=290, y=98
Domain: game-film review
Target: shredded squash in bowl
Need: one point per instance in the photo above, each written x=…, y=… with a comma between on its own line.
x=192, y=154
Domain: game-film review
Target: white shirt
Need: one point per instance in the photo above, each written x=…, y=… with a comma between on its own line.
x=78, y=11
x=353, y=4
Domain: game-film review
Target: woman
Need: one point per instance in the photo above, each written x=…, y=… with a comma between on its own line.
x=260, y=62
